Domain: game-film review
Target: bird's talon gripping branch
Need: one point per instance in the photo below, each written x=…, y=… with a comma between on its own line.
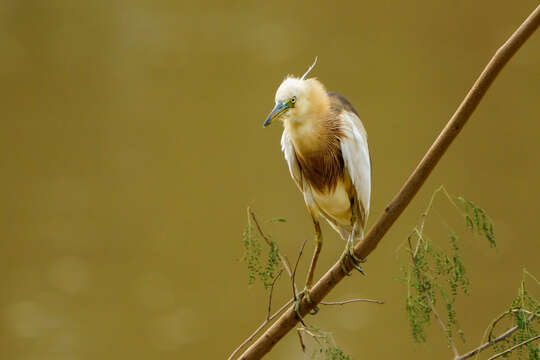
x=349, y=258
x=343, y=266
x=297, y=311
x=356, y=261
x=360, y=270
x=299, y=297
x=356, y=258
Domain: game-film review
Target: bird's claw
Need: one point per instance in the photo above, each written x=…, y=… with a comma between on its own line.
x=354, y=260
x=299, y=297
x=343, y=266
x=357, y=261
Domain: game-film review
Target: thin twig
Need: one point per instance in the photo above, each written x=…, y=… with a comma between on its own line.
x=298, y=331
x=441, y=323
x=310, y=333
x=490, y=343
x=494, y=323
x=515, y=347
x=271, y=292
x=295, y=297
x=351, y=301
x=500, y=317
x=362, y=250
x=252, y=336
x=295, y=266
x=283, y=259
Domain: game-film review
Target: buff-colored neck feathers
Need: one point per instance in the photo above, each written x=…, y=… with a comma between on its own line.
x=307, y=121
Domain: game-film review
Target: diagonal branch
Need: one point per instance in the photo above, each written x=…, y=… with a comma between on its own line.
x=268, y=317
x=335, y=274
x=515, y=347
x=254, y=334
x=492, y=342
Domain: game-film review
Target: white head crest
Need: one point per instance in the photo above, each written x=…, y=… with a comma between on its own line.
x=310, y=68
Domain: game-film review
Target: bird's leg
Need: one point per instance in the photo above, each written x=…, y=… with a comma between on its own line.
x=311, y=271
x=318, y=246
x=351, y=257
x=348, y=253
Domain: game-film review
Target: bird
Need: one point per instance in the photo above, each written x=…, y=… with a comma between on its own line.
x=324, y=143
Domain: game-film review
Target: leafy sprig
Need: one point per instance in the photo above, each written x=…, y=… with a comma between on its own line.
x=265, y=270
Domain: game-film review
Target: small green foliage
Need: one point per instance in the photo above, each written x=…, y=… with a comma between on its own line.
x=434, y=275
x=477, y=220
x=525, y=309
x=253, y=252
x=524, y=314
x=272, y=264
x=335, y=353
x=252, y=239
x=438, y=275
x=322, y=345
x=275, y=220
x=419, y=316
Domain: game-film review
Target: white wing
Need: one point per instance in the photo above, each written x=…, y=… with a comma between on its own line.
x=290, y=157
x=354, y=148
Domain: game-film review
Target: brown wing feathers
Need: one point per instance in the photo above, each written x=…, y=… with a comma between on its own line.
x=324, y=167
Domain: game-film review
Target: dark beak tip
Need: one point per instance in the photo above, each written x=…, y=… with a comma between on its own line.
x=276, y=111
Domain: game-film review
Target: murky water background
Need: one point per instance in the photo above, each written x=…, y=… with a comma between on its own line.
x=131, y=142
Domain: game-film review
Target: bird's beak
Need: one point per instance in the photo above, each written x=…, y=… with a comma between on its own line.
x=275, y=113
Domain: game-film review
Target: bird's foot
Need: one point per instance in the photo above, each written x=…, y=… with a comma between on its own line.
x=299, y=297
x=349, y=258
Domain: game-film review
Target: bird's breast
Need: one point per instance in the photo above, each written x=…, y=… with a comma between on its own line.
x=335, y=204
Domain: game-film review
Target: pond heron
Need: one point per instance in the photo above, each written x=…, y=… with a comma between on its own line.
x=325, y=145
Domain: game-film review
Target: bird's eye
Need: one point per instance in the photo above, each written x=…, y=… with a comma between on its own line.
x=293, y=99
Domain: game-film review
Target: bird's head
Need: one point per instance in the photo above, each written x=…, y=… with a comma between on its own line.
x=297, y=99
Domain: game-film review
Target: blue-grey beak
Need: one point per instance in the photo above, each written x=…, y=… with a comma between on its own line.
x=275, y=113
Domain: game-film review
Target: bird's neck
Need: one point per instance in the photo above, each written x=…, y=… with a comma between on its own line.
x=316, y=143
x=306, y=135
x=309, y=132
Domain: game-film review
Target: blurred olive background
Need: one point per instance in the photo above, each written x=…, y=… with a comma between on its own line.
x=131, y=143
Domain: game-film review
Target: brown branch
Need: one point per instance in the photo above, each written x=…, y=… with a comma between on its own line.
x=362, y=250
x=515, y=347
x=258, y=330
x=268, y=317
